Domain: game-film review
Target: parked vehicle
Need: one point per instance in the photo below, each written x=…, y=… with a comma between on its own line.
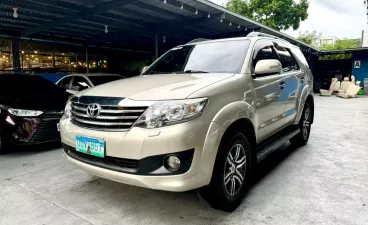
x=30, y=109
x=79, y=82
x=201, y=116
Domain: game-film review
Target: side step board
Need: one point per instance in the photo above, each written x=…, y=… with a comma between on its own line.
x=267, y=147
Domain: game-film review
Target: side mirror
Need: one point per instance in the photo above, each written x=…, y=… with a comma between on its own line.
x=144, y=69
x=268, y=67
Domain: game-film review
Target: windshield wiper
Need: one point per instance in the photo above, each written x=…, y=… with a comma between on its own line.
x=195, y=71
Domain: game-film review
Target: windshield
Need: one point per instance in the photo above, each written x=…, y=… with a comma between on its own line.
x=216, y=57
x=97, y=80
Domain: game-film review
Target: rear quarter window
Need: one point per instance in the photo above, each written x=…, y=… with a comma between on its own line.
x=300, y=56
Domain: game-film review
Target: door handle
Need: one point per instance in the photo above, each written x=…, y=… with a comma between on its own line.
x=282, y=85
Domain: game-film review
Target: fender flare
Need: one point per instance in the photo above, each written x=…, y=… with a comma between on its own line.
x=307, y=90
x=219, y=124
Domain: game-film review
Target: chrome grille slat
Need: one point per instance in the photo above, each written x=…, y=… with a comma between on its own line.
x=102, y=123
x=111, y=118
x=79, y=108
x=120, y=111
x=106, y=117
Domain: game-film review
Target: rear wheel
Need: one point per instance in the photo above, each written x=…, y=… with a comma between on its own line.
x=305, y=127
x=231, y=174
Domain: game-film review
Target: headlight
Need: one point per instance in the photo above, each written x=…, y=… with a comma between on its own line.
x=165, y=113
x=67, y=109
x=24, y=112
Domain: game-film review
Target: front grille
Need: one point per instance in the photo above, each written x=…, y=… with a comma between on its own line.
x=112, y=163
x=47, y=131
x=111, y=117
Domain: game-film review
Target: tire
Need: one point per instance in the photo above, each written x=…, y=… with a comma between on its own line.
x=4, y=146
x=305, y=123
x=226, y=191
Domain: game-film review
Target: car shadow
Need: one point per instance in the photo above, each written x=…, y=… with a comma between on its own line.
x=272, y=161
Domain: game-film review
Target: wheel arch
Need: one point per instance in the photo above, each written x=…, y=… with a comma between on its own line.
x=245, y=126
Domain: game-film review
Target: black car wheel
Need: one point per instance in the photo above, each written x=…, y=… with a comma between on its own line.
x=231, y=174
x=305, y=127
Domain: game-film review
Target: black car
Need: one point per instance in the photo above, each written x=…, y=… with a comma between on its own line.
x=30, y=109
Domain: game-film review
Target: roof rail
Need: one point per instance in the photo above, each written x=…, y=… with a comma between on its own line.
x=259, y=34
x=198, y=40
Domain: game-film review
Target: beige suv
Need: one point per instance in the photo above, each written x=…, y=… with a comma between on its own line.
x=200, y=117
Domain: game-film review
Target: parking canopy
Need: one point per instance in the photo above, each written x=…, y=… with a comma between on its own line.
x=138, y=24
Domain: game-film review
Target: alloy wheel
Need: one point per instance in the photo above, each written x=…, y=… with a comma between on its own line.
x=235, y=168
x=306, y=122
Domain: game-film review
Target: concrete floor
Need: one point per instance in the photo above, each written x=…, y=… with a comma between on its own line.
x=325, y=182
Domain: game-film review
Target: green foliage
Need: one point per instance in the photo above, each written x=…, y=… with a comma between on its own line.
x=342, y=44
x=277, y=14
x=309, y=38
x=336, y=57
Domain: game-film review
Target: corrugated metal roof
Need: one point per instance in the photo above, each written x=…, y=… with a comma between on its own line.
x=129, y=21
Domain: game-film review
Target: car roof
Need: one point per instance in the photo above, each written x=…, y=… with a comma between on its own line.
x=239, y=39
x=95, y=74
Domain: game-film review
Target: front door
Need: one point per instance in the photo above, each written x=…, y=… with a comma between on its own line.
x=270, y=94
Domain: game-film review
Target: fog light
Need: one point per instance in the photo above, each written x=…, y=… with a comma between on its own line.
x=173, y=163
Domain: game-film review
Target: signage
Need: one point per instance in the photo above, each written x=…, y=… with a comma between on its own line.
x=357, y=64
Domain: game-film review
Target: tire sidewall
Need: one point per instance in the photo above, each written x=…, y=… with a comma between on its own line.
x=307, y=106
x=215, y=193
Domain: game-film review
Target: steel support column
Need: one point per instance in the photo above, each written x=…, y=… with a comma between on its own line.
x=87, y=60
x=15, y=54
x=156, y=45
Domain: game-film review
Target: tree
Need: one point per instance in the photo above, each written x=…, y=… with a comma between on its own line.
x=277, y=14
x=309, y=38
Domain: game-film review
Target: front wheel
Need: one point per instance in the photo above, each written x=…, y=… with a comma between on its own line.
x=231, y=174
x=305, y=127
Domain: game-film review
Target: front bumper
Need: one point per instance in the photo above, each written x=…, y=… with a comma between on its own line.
x=138, y=144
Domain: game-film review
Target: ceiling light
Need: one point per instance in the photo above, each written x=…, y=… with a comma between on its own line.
x=164, y=39
x=165, y=1
x=238, y=26
x=196, y=12
x=221, y=20
x=209, y=15
x=182, y=6
x=15, y=9
x=106, y=30
x=230, y=24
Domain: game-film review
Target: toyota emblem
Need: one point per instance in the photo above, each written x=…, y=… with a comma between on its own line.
x=93, y=110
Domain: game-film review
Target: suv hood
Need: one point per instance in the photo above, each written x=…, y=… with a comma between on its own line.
x=156, y=87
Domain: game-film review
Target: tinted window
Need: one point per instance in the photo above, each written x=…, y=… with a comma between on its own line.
x=266, y=52
x=97, y=80
x=79, y=84
x=64, y=83
x=300, y=56
x=287, y=60
x=217, y=57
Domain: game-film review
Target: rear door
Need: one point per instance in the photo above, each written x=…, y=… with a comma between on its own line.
x=293, y=77
x=269, y=92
